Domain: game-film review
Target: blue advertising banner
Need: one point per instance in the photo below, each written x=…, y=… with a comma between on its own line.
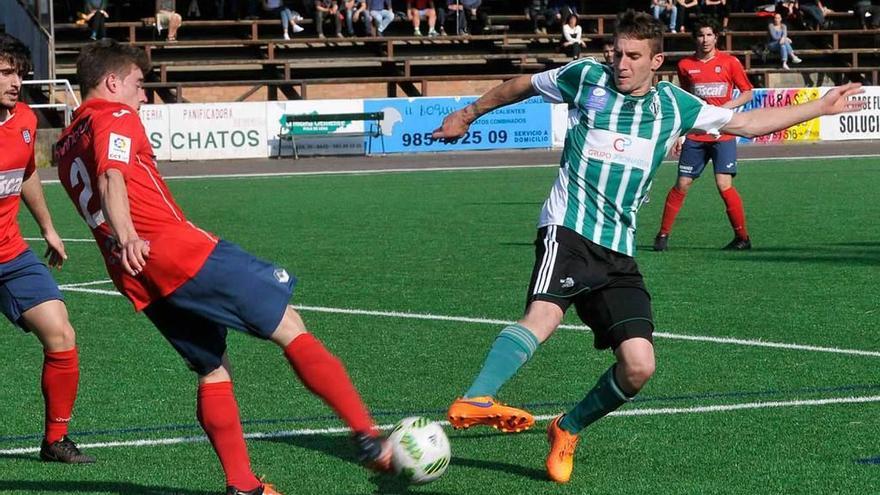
x=409, y=123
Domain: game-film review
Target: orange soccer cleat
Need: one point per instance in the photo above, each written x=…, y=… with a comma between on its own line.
x=560, y=460
x=467, y=412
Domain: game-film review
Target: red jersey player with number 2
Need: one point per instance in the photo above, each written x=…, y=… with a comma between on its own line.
x=710, y=74
x=189, y=283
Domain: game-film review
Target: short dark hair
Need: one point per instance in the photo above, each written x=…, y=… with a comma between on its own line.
x=15, y=53
x=640, y=26
x=107, y=56
x=704, y=21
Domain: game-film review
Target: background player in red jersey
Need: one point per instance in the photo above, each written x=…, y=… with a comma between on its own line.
x=190, y=284
x=30, y=297
x=710, y=74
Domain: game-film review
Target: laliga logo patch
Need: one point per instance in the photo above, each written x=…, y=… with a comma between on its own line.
x=119, y=148
x=26, y=135
x=281, y=275
x=597, y=99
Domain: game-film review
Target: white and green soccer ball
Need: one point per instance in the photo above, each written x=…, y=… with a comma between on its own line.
x=419, y=449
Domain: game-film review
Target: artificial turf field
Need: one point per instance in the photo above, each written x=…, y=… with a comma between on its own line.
x=725, y=412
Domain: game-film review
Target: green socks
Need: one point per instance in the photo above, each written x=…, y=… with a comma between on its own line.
x=606, y=396
x=511, y=349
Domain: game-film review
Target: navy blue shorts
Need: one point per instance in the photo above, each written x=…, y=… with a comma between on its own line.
x=25, y=282
x=696, y=154
x=233, y=289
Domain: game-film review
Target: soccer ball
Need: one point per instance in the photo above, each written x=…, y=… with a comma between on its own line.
x=419, y=449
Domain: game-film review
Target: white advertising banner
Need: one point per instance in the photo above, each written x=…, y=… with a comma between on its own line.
x=205, y=131
x=326, y=145
x=157, y=124
x=864, y=124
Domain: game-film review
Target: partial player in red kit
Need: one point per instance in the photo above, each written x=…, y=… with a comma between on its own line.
x=189, y=283
x=30, y=297
x=712, y=75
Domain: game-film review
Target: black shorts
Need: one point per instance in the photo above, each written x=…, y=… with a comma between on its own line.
x=605, y=286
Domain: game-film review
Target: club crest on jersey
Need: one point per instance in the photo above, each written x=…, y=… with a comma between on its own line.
x=597, y=98
x=718, y=69
x=26, y=135
x=281, y=275
x=119, y=148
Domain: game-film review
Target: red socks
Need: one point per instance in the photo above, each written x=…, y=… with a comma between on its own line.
x=674, y=200
x=735, y=212
x=323, y=374
x=217, y=411
x=59, y=383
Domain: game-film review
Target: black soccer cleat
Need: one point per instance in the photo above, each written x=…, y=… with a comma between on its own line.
x=65, y=451
x=661, y=242
x=739, y=244
x=264, y=489
x=374, y=452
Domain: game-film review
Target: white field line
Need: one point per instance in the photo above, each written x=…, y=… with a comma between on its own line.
x=448, y=168
x=491, y=321
x=64, y=240
x=545, y=417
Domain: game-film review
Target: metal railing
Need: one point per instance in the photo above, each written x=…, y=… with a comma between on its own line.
x=68, y=105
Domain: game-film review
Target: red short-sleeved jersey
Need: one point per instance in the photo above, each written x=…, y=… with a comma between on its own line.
x=106, y=135
x=17, y=137
x=713, y=80
x=421, y=4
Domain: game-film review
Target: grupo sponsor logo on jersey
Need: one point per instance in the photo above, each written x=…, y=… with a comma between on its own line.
x=619, y=148
x=10, y=182
x=710, y=90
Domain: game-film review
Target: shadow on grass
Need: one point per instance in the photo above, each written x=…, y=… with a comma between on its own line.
x=110, y=487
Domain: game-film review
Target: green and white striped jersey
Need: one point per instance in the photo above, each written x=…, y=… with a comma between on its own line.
x=614, y=144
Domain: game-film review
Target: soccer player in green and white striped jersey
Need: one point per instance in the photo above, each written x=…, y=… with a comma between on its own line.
x=620, y=128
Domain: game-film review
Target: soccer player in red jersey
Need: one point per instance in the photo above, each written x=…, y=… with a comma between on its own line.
x=30, y=297
x=710, y=74
x=189, y=283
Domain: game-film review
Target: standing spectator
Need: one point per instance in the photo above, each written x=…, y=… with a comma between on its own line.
x=95, y=14
x=416, y=10
x=665, y=8
x=686, y=10
x=813, y=13
x=327, y=11
x=718, y=10
x=780, y=42
x=168, y=18
x=608, y=52
x=540, y=13
x=354, y=11
x=288, y=17
x=572, y=41
x=866, y=9
x=379, y=16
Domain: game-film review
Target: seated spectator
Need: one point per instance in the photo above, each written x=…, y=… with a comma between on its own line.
x=541, y=15
x=168, y=18
x=780, y=42
x=572, y=40
x=193, y=10
x=416, y=10
x=687, y=11
x=789, y=11
x=865, y=11
x=608, y=52
x=355, y=11
x=95, y=13
x=466, y=15
x=813, y=13
x=718, y=10
x=289, y=18
x=665, y=8
x=379, y=16
x=327, y=11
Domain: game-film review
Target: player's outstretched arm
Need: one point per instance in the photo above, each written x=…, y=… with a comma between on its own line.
x=456, y=124
x=114, y=203
x=766, y=120
x=32, y=195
